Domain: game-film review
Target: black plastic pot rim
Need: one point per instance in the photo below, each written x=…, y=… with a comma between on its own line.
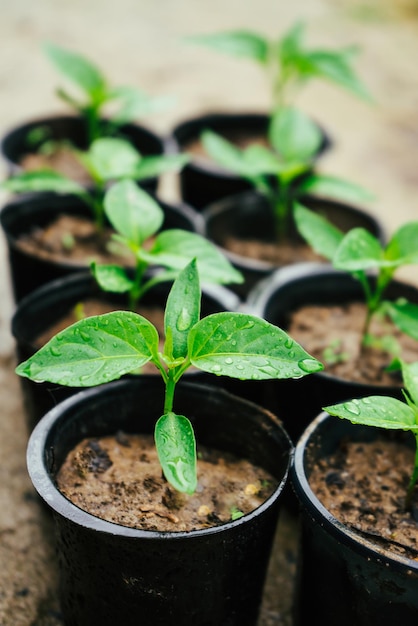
x=48, y=491
x=320, y=515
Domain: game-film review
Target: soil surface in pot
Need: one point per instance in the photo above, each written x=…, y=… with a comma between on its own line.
x=62, y=160
x=364, y=486
x=333, y=335
x=73, y=239
x=119, y=479
x=277, y=253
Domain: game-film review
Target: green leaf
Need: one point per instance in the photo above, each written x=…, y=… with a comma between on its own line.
x=132, y=212
x=410, y=378
x=336, y=188
x=254, y=161
x=174, y=248
x=290, y=45
x=94, y=351
x=134, y=103
x=405, y=316
x=79, y=70
x=42, y=180
x=359, y=251
x=111, y=159
x=243, y=44
x=112, y=278
x=335, y=66
x=247, y=347
x=152, y=166
x=182, y=309
x=403, y=247
x=176, y=448
x=320, y=234
x=294, y=135
x=379, y=411
x=223, y=152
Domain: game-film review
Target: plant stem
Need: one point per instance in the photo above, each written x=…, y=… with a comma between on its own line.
x=137, y=290
x=169, y=393
x=414, y=478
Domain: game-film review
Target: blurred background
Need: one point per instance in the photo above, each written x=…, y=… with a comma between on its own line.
x=142, y=43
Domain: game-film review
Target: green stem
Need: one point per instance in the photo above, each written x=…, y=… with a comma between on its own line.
x=281, y=208
x=414, y=478
x=137, y=290
x=91, y=114
x=169, y=393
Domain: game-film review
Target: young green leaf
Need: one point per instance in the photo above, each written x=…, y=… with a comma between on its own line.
x=174, y=248
x=112, y=278
x=223, y=152
x=94, y=351
x=153, y=166
x=133, y=103
x=132, y=212
x=182, y=310
x=360, y=251
x=110, y=158
x=335, y=66
x=176, y=448
x=380, y=411
x=404, y=315
x=294, y=135
x=410, y=378
x=333, y=187
x=321, y=235
x=78, y=69
x=236, y=43
x=403, y=248
x=247, y=347
x=42, y=180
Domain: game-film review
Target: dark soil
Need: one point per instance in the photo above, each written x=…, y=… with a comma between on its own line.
x=319, y=328
x=277, y=254
x=364, y=486
x=119, y=479
x=61, y=160
x=72, y=239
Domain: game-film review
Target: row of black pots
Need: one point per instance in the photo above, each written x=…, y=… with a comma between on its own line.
x=223, y=567
x=352, y=565
x=201, y=182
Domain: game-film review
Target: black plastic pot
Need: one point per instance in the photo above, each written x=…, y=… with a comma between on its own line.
x=45, y=306
x=202, y=181
x=345, y=578
x=15, y=145
x=28, y=213
x=285, y=291
x=248, y=216
x=111, y=574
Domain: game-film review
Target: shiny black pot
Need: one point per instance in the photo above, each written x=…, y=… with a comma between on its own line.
x=345, y=578
x=111, y=574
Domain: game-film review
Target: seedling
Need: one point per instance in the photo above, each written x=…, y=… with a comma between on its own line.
x=99, y=349
x=283, y=171
x=287, y=62
x=390, y=413
x=358, y=252
x=136, y=218
x=98, y=94
x=107, y=160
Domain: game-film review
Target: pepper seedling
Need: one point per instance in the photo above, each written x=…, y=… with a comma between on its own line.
x=136, y=218
x=284, y=170
x=359, y=253
x=107, y=160
x=102, y=348
x=387, y=412
x=287, y=62
x=130, y=102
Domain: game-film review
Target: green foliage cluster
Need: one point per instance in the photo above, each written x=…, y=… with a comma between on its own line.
x=102, y=348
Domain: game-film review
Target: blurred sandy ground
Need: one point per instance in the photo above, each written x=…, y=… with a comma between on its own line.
x=141, y=42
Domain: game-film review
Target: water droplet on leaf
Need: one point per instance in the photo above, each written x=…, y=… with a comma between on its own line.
x=309, y=366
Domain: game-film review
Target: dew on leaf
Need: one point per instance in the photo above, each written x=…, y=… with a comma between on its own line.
x=309, y=366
